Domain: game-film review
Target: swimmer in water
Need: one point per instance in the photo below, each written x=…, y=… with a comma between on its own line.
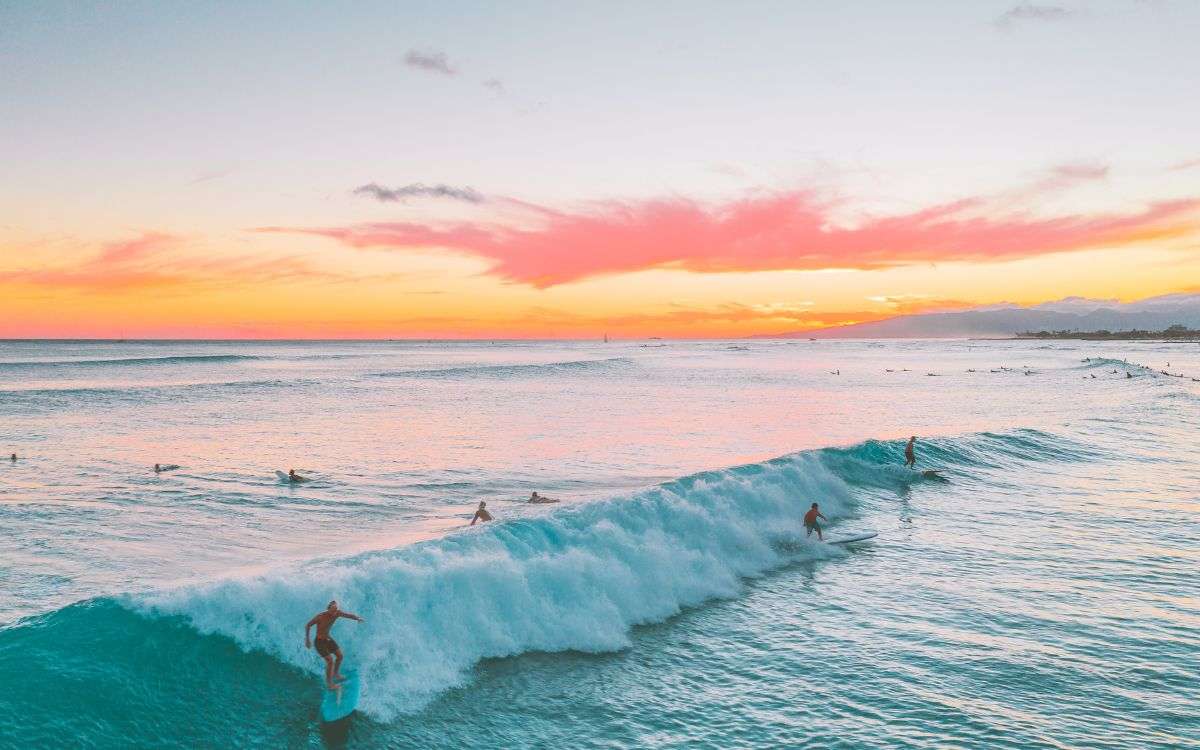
x=481, y=514
x=910, y=456
x=810, y=522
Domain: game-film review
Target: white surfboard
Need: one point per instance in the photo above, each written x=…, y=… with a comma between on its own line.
x=853, y=538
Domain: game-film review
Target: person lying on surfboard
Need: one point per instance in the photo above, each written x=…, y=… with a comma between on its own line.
x=481, y=514
x=294, y=477
x=327, y=648
x=910, y=457
x=810, y=522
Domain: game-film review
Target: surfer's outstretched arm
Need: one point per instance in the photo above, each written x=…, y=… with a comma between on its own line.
x=350, y=616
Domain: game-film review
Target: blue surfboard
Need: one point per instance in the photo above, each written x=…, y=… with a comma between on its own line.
x=338, y=704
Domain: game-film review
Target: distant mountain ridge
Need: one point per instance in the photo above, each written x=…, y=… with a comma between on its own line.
x=998, y=321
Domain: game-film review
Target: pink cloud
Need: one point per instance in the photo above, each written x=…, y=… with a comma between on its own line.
x=784, y=231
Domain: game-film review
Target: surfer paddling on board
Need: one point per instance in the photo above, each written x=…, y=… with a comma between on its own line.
x=910, y=456
x=294, y=477
x=810, y=522
x=327, y=648
x=481, y=514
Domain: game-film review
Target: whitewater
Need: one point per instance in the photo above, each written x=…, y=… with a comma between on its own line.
x=1040, y=594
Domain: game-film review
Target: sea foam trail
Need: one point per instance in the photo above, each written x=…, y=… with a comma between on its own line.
x=576, y=578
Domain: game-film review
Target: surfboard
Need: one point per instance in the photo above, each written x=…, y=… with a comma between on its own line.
x=855, y=538
x=282, y=477
x=338, y=704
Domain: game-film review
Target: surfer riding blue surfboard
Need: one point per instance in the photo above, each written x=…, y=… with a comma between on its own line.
x=327, y=648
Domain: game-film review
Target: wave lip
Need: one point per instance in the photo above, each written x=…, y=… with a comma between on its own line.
x=577, y=578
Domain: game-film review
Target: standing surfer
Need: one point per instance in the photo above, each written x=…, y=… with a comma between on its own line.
x=810, y=522
x=910, y=457
x=328, y=648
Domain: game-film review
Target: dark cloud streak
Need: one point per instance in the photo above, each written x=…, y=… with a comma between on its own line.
x=432, y=62
x=418, y=190
x=1031, y=12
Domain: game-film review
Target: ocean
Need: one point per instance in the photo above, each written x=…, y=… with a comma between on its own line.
x=1042, y=594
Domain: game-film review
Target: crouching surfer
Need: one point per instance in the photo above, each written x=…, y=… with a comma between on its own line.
x=328, y=648
x=810, y=522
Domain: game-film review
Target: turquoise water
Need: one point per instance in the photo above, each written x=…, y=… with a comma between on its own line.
x=1042, y=596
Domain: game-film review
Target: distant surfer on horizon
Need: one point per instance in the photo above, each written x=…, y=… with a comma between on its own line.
x=910, y=455
x=481, y=513
x=810, y=522
x=328, y=648
x=13, y=457
x=536, y=498
x=294, y=477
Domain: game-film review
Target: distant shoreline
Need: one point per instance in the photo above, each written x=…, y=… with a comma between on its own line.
x=1174, y=334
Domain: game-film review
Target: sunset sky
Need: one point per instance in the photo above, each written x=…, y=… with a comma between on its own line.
x=451, y=169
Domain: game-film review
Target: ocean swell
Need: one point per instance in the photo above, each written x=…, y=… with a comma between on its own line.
x=575, y=579
x=508, y=371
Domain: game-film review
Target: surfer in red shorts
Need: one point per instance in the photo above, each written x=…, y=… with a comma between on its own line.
x=326, y=646
x=810, y=522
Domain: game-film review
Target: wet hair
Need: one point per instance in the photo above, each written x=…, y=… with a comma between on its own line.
x=814, y=505
x=332, y=603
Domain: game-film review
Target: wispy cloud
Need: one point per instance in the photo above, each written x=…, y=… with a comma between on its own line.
x=1081, y=172
x=430, y=61
x=418, y=190
x=906, y=304
x=783, y=231
x=495, y=84
x=158, y=261
x=1032, y=12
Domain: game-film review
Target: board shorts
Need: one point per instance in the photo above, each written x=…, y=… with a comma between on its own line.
x=326, y=647
x=814, y=526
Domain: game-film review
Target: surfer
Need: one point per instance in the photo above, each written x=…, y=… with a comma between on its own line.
x=810, y=522
x=13, y=457
x=327, y=648
x=481, y=514
x=536, y=498
x=910, y=456
x=294, y=477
